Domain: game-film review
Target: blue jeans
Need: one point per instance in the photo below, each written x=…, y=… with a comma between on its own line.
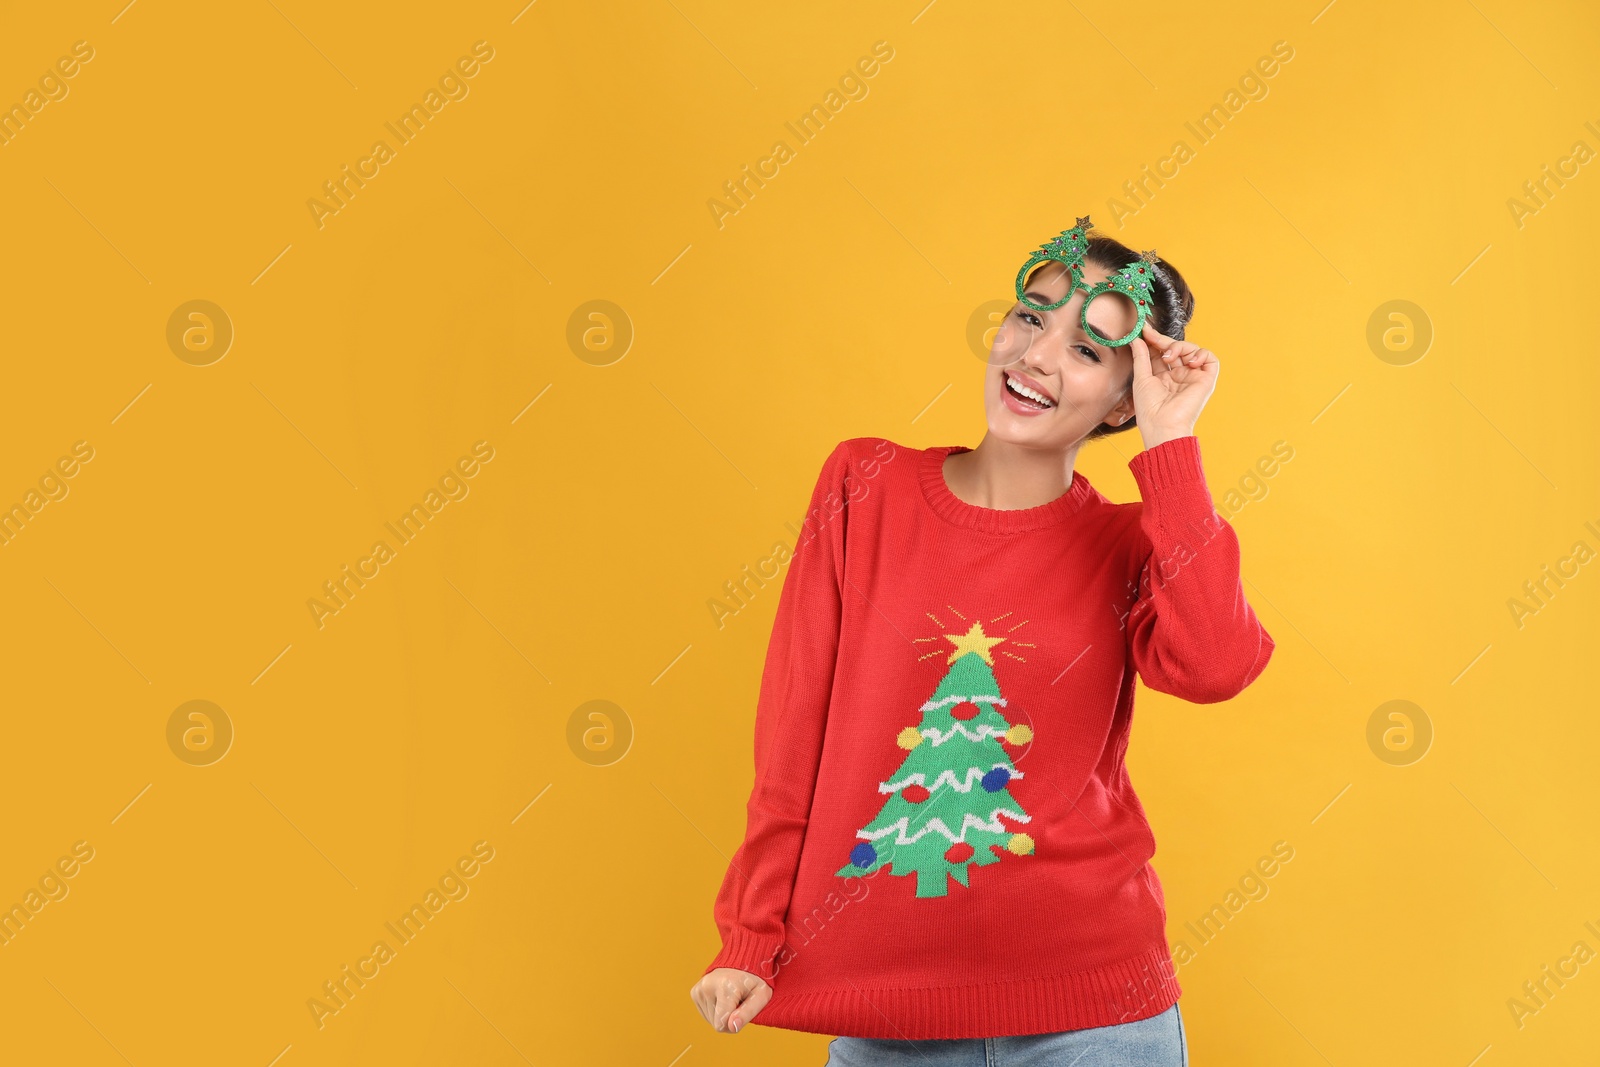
x=1158, y=1041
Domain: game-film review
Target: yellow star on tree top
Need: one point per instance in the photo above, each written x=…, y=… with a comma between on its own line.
x=974, y=640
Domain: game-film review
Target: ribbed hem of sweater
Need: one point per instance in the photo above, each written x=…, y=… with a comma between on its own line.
x=1122, y=992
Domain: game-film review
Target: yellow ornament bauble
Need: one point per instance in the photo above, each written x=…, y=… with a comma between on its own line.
x=1021, y=844
x=909, y=738
x=1020, y=734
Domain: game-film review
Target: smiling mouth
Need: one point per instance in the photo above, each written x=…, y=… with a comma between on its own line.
x=1026, y=395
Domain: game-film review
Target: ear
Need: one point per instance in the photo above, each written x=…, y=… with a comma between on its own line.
x=1122, y=412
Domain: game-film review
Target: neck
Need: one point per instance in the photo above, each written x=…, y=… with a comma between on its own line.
x=1008, y=477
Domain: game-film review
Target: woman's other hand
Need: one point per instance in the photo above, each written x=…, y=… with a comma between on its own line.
x=729, y=998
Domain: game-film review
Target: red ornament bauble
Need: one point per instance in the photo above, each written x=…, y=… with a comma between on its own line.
x=960, y=852
x=916, y=794
x=964, y=711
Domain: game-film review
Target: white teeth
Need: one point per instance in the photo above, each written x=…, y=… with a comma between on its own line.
x=1031, y=394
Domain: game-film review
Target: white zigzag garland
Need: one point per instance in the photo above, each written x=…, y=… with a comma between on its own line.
x=993, y=825
x=980, y=699
x=932, y=733
x=919, y=778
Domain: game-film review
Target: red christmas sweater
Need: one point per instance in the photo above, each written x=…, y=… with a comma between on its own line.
x=942, y=840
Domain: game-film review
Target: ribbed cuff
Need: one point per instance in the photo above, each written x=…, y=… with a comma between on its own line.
x=1171, y=464
x=744, y=951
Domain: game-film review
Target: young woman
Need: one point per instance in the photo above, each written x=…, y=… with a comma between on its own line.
x=944, y=859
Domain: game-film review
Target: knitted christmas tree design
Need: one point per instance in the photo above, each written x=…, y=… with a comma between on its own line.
x=946, y=799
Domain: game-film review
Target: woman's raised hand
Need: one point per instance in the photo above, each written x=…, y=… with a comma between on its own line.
x=1167, y=397
x=729, y=998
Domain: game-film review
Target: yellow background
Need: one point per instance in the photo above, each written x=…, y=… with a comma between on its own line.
x=433, y=311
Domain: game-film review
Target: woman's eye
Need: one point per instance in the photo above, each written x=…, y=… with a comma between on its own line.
x=1091, y=353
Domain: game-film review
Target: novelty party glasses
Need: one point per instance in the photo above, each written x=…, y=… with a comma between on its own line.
x=1135, y=281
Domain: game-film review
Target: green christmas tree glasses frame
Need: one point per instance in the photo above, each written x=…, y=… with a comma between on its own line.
x=1135, y=281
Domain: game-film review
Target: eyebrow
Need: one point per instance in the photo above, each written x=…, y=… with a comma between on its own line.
x=1042, y=299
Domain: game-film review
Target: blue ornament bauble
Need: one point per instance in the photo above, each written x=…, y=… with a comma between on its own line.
x=863, y=855
x=996, y=779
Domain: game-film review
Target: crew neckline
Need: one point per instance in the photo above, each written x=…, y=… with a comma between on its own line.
x=994, y=520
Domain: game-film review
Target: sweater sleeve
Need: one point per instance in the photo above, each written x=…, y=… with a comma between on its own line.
x=1191, y=632
x=791, y=714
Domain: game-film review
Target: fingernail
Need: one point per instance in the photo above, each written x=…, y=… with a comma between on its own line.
x=733, y=1024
